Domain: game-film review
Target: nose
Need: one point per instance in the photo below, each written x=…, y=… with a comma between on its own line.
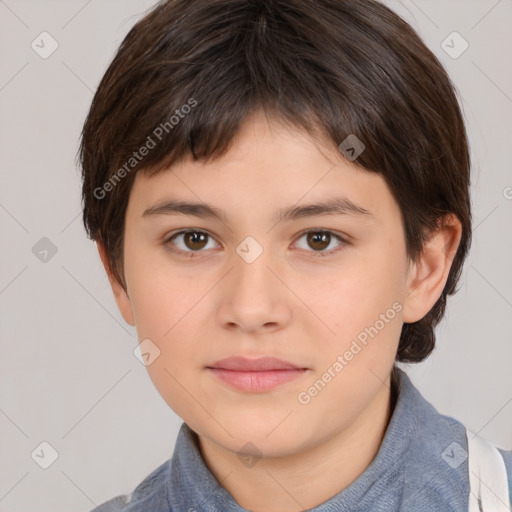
x=253, y=296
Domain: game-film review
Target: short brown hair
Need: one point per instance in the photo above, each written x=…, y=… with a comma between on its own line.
x=330, y=67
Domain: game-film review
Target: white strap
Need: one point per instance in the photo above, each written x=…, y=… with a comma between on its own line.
x=487, y=476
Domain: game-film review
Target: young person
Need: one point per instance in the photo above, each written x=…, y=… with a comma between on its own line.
x=279, y=192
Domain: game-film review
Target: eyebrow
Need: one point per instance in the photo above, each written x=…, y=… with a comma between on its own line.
x=335, y=206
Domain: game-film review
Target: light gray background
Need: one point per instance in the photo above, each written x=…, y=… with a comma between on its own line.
x=68, y=373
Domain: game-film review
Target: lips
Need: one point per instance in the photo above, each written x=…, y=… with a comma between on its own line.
x=255, y=375
x=262, y=364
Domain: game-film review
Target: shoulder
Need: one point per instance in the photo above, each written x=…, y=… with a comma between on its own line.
x=433, y=451
x=443, y=442
x=507, y=458
x=115, y=504
x=150, y=494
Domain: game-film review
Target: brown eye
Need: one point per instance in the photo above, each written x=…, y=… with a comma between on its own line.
x=195, y=240
x=321, y=242
x=190, y=241
x=318, y=240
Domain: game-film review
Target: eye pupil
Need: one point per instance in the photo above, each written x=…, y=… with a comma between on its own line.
x=319, y=238
x=194, y=237
x=195, y=241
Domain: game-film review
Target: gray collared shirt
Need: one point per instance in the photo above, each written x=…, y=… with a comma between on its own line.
x=418, y=468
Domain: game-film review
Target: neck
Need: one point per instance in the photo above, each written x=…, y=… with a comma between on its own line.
x=304, y=479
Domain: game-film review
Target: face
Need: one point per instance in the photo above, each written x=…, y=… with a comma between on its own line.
x=322, y=290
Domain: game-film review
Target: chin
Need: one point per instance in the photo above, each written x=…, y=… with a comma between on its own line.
x=257, y=439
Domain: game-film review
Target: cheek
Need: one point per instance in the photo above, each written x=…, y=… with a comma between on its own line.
x=158, y=295
x=358, y=297
x=154, y=307
x=168, y=309
x=363, y=308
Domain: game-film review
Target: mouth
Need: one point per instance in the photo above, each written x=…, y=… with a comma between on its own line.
x=255, y=375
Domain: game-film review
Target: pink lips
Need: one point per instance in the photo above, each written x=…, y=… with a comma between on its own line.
x=255, y=375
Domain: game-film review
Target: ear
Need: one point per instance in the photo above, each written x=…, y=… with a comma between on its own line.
x=428, y=275
x=122, y=299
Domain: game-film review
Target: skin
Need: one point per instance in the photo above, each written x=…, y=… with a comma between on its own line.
x=291, y=303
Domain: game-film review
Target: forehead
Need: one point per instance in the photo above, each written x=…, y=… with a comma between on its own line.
x=269, y=166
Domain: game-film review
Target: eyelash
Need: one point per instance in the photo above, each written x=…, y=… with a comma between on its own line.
x=190, y=254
